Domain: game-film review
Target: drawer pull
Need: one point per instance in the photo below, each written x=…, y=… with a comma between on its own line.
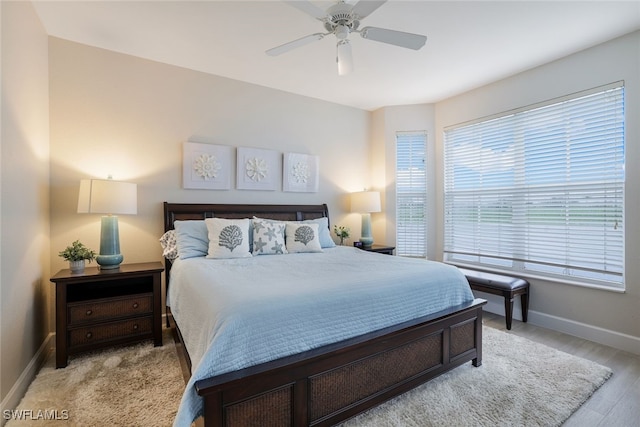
x=135, y=327
x=135, y=305
x=89, y=335
x=89, y=312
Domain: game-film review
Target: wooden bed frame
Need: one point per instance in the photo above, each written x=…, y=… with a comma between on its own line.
x=330, y=384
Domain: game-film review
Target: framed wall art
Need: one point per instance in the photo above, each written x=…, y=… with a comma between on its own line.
x=300, y=173
x=206, y=166
x=258, y=169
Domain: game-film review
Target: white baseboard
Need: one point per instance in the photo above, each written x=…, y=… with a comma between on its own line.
x=495, y=304
x=21, y=385
x=588, y=332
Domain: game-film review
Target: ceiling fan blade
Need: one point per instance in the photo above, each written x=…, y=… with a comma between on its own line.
x=365, y=8
x=344, y=58
x=398, y=38
x=278, y=50
x=308, y=8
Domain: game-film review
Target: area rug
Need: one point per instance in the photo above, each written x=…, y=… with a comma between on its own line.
x=520, y=383
x=138, y=385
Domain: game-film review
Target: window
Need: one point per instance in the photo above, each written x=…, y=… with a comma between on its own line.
x=411, y=194
x=541, y=190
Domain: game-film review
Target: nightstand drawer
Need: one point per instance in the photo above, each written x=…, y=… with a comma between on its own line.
x=107, y=331
x=111, y=308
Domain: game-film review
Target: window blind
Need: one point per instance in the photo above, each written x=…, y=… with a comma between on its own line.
x=411, y=194
x=541, y=189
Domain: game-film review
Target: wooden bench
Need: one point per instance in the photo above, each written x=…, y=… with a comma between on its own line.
x=499, y=284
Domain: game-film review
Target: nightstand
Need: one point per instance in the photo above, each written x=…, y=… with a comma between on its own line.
x=99, y=308
x=381, y=249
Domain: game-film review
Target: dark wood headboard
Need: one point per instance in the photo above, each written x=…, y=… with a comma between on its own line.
x=188, y=211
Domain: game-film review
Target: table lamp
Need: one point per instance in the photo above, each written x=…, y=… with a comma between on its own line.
x=110, y=197
x=365, y=202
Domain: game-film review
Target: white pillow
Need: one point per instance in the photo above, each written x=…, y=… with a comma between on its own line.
x=302, y=237
x=268, y=237
x=228, y=238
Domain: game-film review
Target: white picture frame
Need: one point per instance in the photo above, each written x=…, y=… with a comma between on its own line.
x=206, y=166
x=300, y=173
x=258, y=169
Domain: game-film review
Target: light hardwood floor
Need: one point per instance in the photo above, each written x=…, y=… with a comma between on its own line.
x=617, y=402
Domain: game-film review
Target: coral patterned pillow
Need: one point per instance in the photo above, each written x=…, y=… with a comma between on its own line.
x=228, y=238
x=302, y=237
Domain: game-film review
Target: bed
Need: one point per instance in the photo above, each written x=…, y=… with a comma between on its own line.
x=333, y=372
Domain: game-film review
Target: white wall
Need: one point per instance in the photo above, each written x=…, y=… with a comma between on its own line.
x=121, y=115
x=24, y=217
x=596, y=314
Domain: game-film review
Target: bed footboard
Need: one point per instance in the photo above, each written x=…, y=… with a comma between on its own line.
x=328, y=385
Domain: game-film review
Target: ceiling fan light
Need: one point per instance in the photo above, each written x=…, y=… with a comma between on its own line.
x=342, y=32
x=344, y=59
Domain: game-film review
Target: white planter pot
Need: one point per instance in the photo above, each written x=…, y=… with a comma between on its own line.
x=77, y=266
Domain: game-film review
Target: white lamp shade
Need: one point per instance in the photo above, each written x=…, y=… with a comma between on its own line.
x=106, y=196
x=365, y=201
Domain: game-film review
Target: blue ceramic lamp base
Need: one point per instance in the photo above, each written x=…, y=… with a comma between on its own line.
x=366, y=238
x=110, y=256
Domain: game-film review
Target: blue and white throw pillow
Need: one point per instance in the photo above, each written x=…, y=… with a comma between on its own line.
x=268, y=237
x=228, y=238
x=302, y=237
x=323, y=231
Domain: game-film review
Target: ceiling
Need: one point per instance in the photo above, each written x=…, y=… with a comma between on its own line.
x=470, y=43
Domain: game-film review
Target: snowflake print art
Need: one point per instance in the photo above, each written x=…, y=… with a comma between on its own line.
x=256, y=169
x=300, y=172
x=206, y=166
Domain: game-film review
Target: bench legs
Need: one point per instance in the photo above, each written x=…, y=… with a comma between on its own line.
x=508, y=310
x=508, y=307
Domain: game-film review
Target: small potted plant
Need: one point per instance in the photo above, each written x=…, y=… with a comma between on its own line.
x=342, y=232
x=77, y=254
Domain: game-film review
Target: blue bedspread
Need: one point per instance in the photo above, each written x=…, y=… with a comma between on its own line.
x=236, y=313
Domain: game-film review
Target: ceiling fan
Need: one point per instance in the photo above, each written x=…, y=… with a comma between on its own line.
x=342, y=19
